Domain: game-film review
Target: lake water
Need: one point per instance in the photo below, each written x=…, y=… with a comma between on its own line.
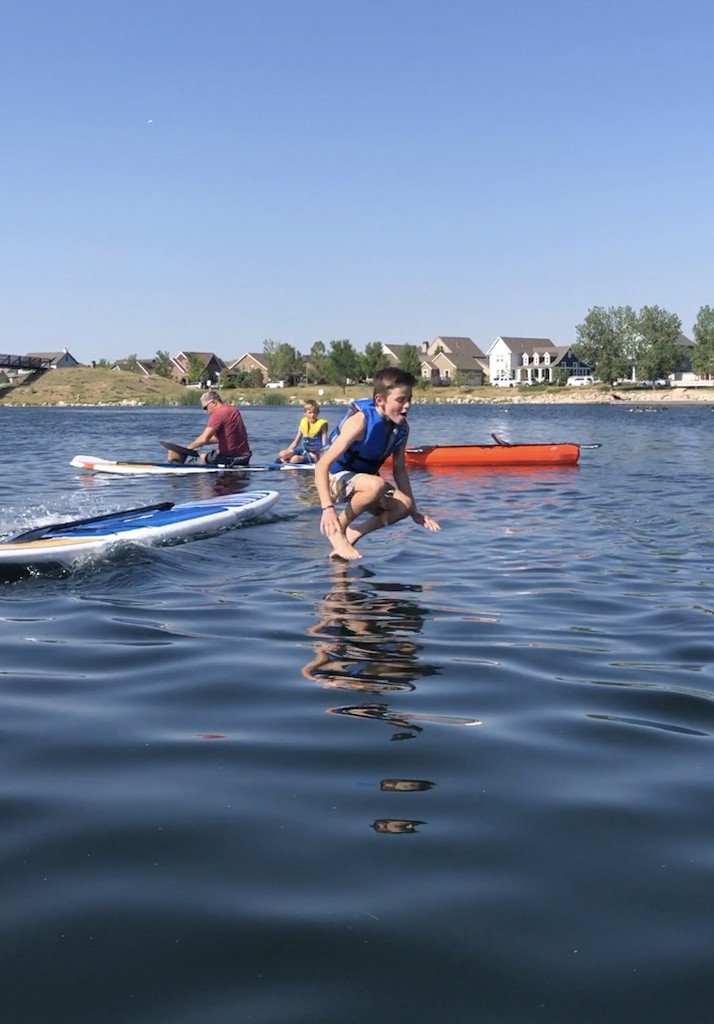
x=242, y=784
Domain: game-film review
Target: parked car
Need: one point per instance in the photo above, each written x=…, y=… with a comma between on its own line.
x=576, y=382
x=659, y=383
x=276, y=384
x=504, y=382
x=525, y=383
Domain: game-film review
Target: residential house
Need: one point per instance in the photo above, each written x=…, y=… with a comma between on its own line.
x=451, y=358
x=393, y=355
x=443, y=358
x=212, y=364
x=247, y=362
x=683, y=375
x=533, y=359
x=58, y=360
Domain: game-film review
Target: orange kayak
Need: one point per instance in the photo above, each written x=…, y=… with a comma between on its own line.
x=495, y=455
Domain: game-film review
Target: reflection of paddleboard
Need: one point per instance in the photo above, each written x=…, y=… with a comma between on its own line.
x=154, y=524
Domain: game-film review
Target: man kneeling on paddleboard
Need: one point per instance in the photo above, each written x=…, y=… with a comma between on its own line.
x=225, y=429
x=348, y=470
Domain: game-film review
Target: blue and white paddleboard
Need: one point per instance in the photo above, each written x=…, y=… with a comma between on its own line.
x=154, y=524
x=94, y=464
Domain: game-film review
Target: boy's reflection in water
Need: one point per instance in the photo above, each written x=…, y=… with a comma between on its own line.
x=406, y=730
x=401, y=825
x=364, y=640
x=405, y=785
x=397, y=825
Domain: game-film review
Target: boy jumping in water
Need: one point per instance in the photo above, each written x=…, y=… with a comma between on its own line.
x=348, y=471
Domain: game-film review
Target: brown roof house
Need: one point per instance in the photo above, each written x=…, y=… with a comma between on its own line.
x=443, y=358
x=212, y=367
x=249, y=361
x=453, y=357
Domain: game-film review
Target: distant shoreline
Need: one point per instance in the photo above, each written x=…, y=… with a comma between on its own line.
x=95, y=388
x=678, y=397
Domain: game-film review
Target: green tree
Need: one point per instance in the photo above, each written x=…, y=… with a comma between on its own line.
x=284, y=362
x=162, y=364
x=102, y=364
x=703, y=351
x=411, y=360
x=658, y=351
x=606, y=339
x=319, y=362
x=255, y=377
x=132, y=364
x=195, y=368
x=372, y=359
x=343, y=362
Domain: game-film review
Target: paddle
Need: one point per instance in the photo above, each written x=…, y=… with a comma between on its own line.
x=42, y=531
x=188, y=453
x=508, y=444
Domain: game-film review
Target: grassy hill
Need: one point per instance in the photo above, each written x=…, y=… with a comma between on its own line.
x=85, y=386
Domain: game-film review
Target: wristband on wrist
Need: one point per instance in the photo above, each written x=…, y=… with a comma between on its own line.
x=326, y=508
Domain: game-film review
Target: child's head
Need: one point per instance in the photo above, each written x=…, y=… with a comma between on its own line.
x=393, y=393
x=311, y=407
x=392, y=377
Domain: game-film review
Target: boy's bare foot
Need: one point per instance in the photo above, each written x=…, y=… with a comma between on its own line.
x=342, y=547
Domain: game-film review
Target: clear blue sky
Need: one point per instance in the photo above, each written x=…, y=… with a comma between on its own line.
x=206, y=175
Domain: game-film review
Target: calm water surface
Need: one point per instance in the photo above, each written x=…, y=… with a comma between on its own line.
x=467, y=779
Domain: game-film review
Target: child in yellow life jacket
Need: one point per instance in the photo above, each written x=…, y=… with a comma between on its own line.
x=310, y=439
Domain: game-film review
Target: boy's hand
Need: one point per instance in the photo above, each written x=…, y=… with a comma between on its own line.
x=329, y=523
x=426, y=521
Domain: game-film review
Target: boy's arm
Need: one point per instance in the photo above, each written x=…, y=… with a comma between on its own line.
x=401, y=479
x=350, y=432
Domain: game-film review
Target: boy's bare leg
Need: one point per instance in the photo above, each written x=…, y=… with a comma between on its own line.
x=388, y=509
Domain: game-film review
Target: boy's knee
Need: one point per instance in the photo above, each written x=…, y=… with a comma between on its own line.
x=402, y=507
x=406, y=507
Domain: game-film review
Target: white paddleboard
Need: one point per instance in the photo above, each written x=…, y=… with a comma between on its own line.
x=155, y=524
x=95, y=464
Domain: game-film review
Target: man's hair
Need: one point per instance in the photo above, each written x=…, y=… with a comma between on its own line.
x=210, y=396
x=392, y=377
x=312, y=403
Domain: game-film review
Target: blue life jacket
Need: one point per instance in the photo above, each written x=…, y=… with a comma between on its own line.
x=380, y=440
